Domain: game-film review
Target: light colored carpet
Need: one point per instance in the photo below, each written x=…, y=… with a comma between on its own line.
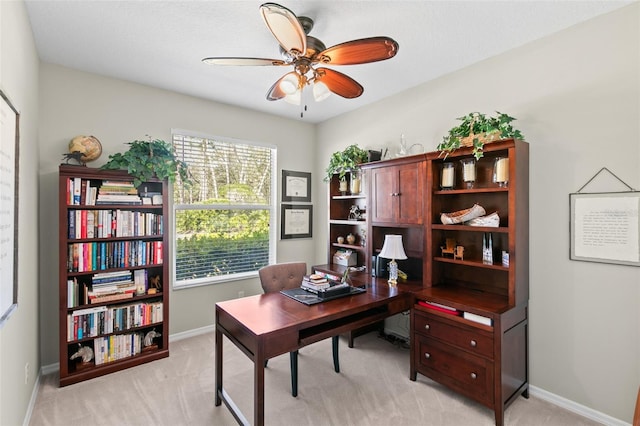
x=373, y=389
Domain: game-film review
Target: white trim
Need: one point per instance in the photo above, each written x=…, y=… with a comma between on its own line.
x=49, y=369
x=574, y=407
x=32, y=402
x=192, y=333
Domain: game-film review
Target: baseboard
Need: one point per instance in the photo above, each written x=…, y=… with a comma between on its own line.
x=192, y=333
x=574, y=407
x=32, y=402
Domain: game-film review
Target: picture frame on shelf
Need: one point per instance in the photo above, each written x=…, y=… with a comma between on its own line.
x=605, y=227
x=296, y=221
x=9, y=164
x=296, y=186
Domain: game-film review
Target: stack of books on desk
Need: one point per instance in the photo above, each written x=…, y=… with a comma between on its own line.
x=315, y=283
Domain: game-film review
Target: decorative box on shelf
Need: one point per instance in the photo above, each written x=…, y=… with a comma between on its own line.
x=345, y=258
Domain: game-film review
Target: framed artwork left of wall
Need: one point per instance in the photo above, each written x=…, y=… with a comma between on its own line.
x=9, y=161
x=296, y=186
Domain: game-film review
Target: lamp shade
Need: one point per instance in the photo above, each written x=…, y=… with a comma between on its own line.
x=392, y=248
x=320, y=91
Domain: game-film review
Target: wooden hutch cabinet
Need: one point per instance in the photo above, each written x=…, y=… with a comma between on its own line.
x=469, y=318
x=475, y=340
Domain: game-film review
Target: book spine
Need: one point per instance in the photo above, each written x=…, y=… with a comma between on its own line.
x=72, y=224
x=77, y=188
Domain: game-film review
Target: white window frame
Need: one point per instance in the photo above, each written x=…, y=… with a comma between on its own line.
x=272, y=215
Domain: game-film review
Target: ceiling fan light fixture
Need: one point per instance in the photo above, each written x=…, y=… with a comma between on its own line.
x=290, y=83
x=320, y=91
x=294, y=98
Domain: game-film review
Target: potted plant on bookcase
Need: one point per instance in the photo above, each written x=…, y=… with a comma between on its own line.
x=345, y=161
x=475, y=130
x=147, y=159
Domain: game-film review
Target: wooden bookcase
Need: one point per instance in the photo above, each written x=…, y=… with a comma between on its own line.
x=488, y=360
x=97, y=241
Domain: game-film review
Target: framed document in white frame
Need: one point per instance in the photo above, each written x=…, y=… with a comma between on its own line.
x=296, y=186
x=296, y=221
x=9, y=160
x=605, y=227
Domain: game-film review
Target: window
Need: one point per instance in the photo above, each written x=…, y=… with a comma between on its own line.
x=224, y=222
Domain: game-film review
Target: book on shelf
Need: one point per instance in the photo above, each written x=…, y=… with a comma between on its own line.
x=477, y=318
x=316, y=278
x=330, y=287
x=440, y=307
x=315, y=287
x=111, y=297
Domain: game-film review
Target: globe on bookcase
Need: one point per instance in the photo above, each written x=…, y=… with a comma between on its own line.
x=84, y=149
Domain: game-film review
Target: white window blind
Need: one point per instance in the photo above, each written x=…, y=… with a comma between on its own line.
x=222, y=222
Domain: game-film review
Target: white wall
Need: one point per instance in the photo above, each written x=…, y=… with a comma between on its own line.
x=19, y=336
x=576, y=95
x=75, y=103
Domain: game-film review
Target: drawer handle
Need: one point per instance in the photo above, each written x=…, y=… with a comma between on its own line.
x=474, y=376
x=473, y=343
x=427, y=326
x=427, y=355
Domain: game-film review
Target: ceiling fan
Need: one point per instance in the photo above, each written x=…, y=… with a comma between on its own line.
x=305, y=53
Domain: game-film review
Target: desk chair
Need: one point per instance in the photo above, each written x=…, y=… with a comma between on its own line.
x=283, y=276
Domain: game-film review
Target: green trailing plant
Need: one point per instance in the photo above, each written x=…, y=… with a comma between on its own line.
x=148, y=159
x=342, y=162
x=481, y=129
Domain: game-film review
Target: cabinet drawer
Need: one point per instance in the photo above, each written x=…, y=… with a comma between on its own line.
x=468, y=374
x=470, y=339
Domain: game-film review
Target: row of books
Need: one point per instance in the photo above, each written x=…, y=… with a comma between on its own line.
x=92, y=322
x=107, y=289
x=81, y=192
x=117, y=192
x=113, y=223
x=97, y=256
x=315, y=282
x=453, y=311
x=117, y=346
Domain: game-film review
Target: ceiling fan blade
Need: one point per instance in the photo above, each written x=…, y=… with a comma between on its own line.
x=276, y=92
x=338, y=83
x=360, y=51
x=242, y=61
x=285, y=27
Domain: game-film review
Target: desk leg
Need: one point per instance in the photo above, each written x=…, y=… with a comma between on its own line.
x=258, y=388
x=218, y=367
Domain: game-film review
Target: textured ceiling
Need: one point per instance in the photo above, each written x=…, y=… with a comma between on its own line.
x=161, y=43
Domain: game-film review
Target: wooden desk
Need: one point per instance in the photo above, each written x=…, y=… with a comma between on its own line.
x=272, y=324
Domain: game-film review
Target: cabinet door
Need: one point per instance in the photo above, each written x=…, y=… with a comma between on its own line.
x=383, y=186
x=410, y=194
x=397, y=193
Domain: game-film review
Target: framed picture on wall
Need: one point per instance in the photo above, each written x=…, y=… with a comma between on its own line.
x=296, y=221
x=605, y=227
x=9, y=150
x=296, y=186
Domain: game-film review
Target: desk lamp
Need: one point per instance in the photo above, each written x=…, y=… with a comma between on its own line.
x=393, y=249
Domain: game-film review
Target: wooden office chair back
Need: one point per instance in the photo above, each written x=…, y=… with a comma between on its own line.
x=281, y=276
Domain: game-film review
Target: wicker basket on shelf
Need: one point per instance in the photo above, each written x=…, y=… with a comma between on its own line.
x=483, y=138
